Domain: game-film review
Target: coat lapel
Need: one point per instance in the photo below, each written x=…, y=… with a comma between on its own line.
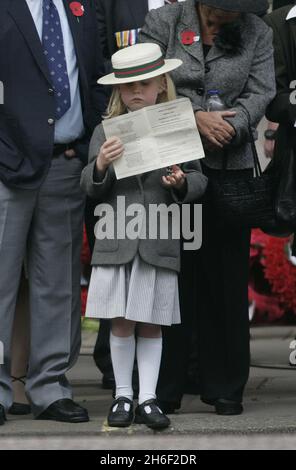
x=76, y=27
x=214, y=54
x=21, y=15
x=189, y=22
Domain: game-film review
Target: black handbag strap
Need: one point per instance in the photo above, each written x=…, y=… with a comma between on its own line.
x=257, y=166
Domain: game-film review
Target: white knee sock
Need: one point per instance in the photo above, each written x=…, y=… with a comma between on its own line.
x=148, y=357
x=123, y=356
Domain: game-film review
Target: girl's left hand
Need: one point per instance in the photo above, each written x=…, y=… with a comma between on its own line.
x=176, y=179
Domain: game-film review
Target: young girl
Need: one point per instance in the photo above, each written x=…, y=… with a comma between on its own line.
x=134, y=281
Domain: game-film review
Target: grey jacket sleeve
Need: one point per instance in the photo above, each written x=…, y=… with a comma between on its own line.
x=155, y=30
x=95, y=185
x=259, y=89
x=196, y=183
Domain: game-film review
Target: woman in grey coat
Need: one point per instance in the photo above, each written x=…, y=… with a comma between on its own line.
x=223, y=47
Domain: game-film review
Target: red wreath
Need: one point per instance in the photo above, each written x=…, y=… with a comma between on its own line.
x=188, y=37
x=77, y=9
x=280, y=272
x=274, y=291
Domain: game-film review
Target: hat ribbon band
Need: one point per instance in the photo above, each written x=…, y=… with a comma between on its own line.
x=140, y=70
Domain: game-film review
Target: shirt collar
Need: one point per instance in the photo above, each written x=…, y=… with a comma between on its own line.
x=291, y=14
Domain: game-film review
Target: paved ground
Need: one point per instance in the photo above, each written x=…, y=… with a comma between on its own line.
x=269, y=420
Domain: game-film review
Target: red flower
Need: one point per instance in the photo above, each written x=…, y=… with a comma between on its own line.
x=188, y=37
x=77, y=9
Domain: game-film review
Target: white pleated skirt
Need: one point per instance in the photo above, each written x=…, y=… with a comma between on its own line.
x=136, y=291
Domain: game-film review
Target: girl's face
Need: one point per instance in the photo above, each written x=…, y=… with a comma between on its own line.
x=137, y=95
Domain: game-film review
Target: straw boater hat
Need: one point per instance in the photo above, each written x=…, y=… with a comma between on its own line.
x=138, y=62
x=243, y=6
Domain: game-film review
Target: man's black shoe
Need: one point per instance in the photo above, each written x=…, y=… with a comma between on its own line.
x=224, y=407
x=150, y=414
x=121, y=414
x=19, y=409
x=2, y=415
x=65, y=410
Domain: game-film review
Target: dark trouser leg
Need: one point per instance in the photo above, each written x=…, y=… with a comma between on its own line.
x=177, y=338
x=223, y=323
x=102, y=355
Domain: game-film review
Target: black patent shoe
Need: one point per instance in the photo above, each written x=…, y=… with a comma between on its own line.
x=150, y=414
x=121, y=413
x=2, y=415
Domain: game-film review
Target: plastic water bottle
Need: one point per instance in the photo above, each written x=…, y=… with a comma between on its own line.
x=214, y=101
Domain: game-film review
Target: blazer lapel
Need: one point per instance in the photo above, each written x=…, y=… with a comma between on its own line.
x=138, y=9
x=20, y=13
x=76, y=27
x=189, y=22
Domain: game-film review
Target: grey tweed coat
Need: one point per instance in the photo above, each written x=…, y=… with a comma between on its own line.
x=145, y=189
x=245, y=81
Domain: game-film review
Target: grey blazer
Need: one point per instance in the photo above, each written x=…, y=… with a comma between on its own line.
x=245, y=81
x=145, y=189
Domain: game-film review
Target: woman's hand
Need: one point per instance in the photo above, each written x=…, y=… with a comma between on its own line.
x=176, y=179
x=110, y=151
x=214, y=128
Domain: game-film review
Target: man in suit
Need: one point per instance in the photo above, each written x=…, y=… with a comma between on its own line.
x=50, y=60
x=119, y=23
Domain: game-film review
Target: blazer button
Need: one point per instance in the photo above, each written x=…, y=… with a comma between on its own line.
x=50, y=121
x=200, y=91
x=51, y=91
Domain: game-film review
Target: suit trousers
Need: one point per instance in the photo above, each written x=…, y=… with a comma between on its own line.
x=46, y=225
x=213, y=296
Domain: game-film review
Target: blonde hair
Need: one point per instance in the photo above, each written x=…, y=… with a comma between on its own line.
x=116, y=107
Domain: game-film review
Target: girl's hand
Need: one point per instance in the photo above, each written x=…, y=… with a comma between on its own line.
x=214, y=128
x=176, y=180
x=110, y=151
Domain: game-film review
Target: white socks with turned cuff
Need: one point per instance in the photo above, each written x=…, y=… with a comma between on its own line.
x=148, y=357
x=123, y=356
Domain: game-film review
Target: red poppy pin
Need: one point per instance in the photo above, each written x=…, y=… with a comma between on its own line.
x=77, y=9
x=189, y=37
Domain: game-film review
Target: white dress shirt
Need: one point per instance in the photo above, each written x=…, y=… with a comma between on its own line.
x=153, y=4
x=291, y=14
x=70, y=127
